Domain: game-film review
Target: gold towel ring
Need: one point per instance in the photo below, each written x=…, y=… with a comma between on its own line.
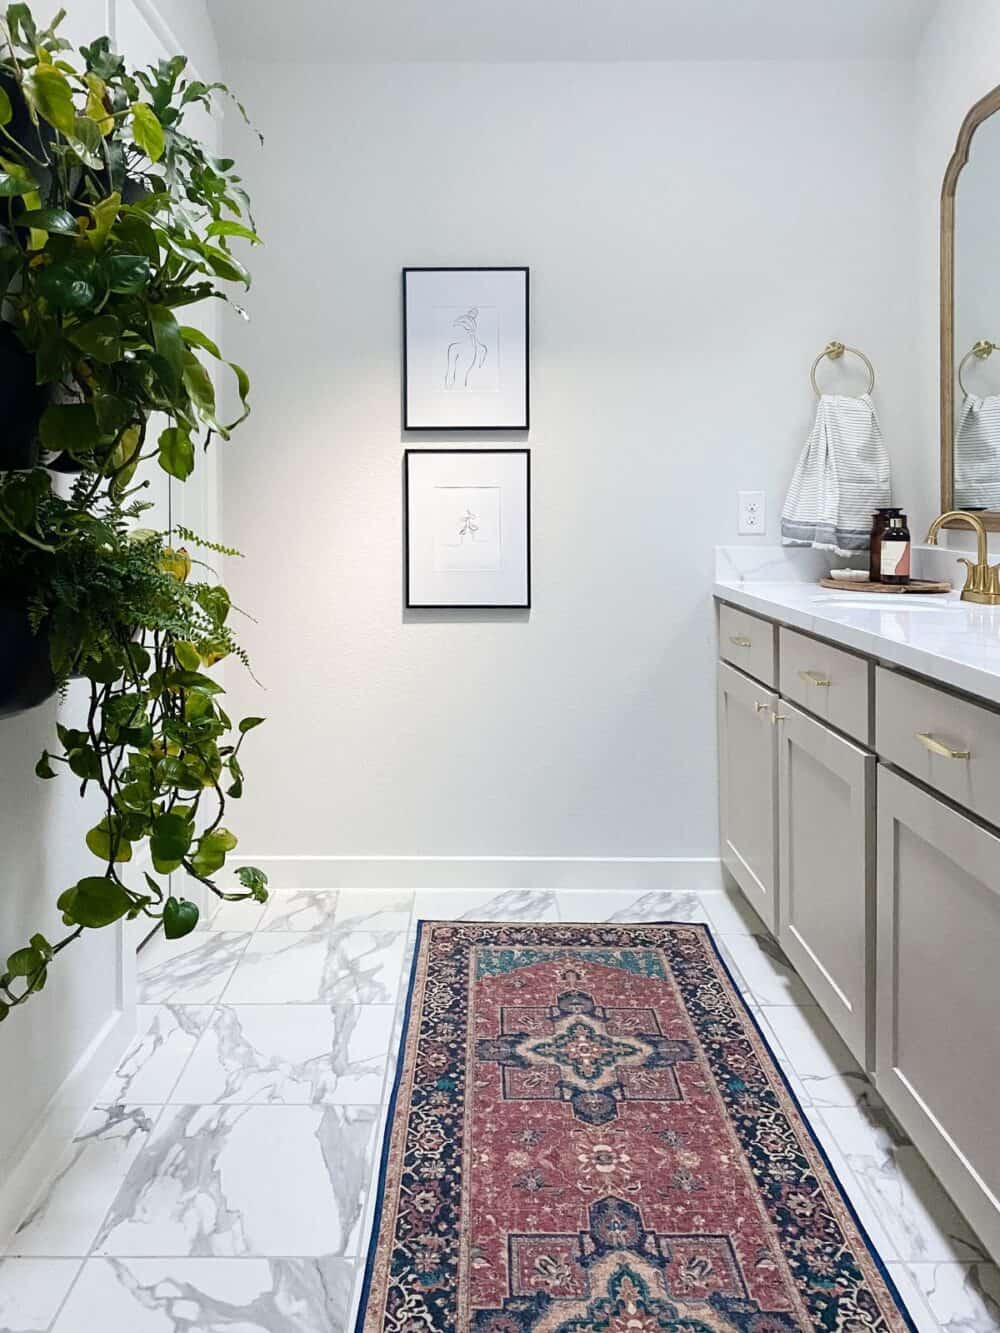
x=980, y=351
x=835, y=351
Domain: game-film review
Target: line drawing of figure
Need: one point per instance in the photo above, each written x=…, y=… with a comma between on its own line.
x=470, y=526
x=467, y=350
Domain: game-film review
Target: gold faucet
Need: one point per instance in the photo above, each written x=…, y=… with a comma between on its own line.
x=982, y=583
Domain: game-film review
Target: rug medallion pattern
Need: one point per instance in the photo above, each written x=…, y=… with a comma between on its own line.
x=590, y=1136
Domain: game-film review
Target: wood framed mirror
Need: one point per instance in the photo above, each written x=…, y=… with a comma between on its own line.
x=970, y=317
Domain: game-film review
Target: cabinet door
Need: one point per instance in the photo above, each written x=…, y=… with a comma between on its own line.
x=825, y=822
x=938, y=1033
x=748, y=795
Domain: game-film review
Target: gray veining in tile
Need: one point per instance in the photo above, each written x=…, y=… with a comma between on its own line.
x=825, y=1065
x=67, y=1214
x=293, y=1054
x=193, y=970
x=288, y=967
x=584, y=905
x=364, y=910
x=481, y=905
x=246, y=1180
x=165, y=1037
x=31, y=1292
x=924, y=1224
x=961, y=1298
x=300, y=909
x=205, y=1295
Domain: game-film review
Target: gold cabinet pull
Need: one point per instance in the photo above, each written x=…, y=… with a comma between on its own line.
x=779, y=717
x=740, y=640
x=761, y=708
x=938, y=747
x=814, y=678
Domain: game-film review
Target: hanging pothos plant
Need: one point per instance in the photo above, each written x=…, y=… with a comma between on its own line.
x=113, y=220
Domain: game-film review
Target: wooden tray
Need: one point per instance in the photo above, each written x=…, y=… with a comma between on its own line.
x=856, y=585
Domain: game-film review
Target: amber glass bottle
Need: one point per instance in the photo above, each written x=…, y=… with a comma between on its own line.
x=880, y=521
x=895, y=553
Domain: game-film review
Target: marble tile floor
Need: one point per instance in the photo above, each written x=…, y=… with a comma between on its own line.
x=224, y=1179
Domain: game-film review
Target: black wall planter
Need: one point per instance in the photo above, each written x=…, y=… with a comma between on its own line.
x=22, y=403
x=26, y=678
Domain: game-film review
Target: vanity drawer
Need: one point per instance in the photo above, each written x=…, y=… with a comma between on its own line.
x=950, y=744
x=747, y=642
x=827, y=681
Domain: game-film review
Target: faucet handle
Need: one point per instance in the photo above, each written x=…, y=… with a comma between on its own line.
x=977, y=577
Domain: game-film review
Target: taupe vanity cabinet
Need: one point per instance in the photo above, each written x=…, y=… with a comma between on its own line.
x=825, y=865
x=860, y=817
x=796, y=827
x=938, y=1017
x=748, y=789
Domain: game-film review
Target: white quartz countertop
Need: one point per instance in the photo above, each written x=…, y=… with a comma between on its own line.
x=948, y=640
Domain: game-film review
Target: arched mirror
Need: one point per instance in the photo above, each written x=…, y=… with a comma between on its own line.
x=970, y=317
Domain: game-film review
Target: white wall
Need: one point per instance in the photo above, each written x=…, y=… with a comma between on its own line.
x=957, y=63
x=696, y=233
x=83, y=1016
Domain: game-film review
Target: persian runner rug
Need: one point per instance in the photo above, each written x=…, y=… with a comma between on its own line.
x=588, y=1134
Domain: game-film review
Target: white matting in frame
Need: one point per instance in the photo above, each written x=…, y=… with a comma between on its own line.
x=468, y=528
x=465, y=349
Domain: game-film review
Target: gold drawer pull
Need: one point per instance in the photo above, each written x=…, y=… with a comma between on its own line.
x=938, y=747
x=761, y=708
x=814, y=678
x=740, y=640
x=779, y=717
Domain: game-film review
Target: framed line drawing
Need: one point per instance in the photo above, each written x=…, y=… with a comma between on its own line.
x=465, y=349
x=468, y=528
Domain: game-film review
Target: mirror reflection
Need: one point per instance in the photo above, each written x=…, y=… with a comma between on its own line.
x=977, y=323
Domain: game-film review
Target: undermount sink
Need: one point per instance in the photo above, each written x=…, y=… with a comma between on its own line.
x=890, y=601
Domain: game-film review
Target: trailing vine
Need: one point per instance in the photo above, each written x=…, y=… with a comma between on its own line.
x=112, y=218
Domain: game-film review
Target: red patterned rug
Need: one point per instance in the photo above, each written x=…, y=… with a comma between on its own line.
x=589, y=1135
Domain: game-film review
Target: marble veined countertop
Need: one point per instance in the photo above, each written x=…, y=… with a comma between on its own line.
x=939, y=636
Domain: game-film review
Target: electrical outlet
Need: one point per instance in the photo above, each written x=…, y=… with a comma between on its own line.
x=752, y=514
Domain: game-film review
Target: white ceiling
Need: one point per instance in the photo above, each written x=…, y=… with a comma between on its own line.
x=498, y=30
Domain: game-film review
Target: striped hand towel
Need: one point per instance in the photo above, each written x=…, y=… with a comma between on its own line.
x=841, y=477
x=977, y=454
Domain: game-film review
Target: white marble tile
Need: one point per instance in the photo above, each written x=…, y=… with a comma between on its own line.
x=289, y=967
x=300, y=909
x=166, y=1034
x=228, y=1181
x=822, y=1061
x=768, y=975
x=65, y=1218
x=210, y=1295
x=924, y=1224
x=781, y=1057
x=193, y=970
x=482, y=905
x=291, y=1054
x=244, y=915
x=607, y=905
x=31, y=1292
x=959, y=1298
x=374, y=909
x=731, y=914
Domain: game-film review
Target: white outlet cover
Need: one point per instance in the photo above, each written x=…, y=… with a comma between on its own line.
x=752, y=513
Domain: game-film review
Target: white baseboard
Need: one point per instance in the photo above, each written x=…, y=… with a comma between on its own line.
x=34, y=1160
x=629, y=874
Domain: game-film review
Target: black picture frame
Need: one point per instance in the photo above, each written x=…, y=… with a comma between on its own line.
x=465, y=268
x=465, y=606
